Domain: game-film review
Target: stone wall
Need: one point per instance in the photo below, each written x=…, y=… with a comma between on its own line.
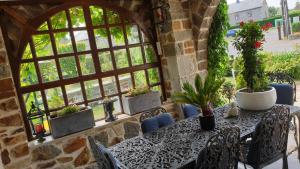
x=184, y=47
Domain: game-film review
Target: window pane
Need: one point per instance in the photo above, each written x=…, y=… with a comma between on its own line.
x=59, y=21
x=92, y=89
x=125, y=82
x=77, y=17
x=157, y=88
x=48, y=70
x=87, y=64
x=101, y=37
x=63, y=43
x=27, y=53
x=140, y=78
x=109, y=85
x=117, y=105
x=34, y=97
x=117, y=36
x=54, y=98
x=82, y=41
x=43, y=27
x=28, y=74
x=42, y=45
x=97, y=15
x=121, y=58
x=153, y=75
x=68, y=67
x=136, y=56
x=97, y=110
x=74, y=93
x=150, y=54
x=113, y=17
x=132, y=34
x=105, y=61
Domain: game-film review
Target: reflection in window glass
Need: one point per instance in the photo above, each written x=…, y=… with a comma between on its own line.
x=63, y=42
x=28, y=74
x=97, y=110
x=157, y=88
x=68, y=67
x=136, y=56
x=105, y=61
x=42, y=45
x=43, y=27
x=140, y=78
x=27, y=53
x=74, y=93
x=77, y=17
x=101, y=37
x=34, y=97
x=48, y=70
x=153, y=75
x=82, y=41
x=92, y=89
x=132, y=34
x=113, y=17
x=117, y=36
x=59, y=21
x=125, y=82
x=54, y=98
x=97, y=15
x=109, y=85
x=150, y=54
x=121, y=58
x=87, y=64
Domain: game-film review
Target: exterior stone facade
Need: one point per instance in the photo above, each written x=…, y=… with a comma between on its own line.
x=184, y=47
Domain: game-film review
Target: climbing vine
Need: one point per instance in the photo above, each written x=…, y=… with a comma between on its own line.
x=217, y=45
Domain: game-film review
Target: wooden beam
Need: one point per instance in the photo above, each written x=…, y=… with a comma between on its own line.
x=30, y=2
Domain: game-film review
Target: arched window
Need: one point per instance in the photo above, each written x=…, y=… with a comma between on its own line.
x=83, y=54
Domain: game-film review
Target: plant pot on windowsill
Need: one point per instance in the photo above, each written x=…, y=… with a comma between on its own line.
x=137, y=103
x=72, y=122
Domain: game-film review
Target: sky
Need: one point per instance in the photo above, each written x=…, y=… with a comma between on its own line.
x=276, y=3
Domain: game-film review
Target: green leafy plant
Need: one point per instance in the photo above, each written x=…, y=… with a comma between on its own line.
x=138, y=91
x=248, y=42
x=228, y=89
x=296, y=27
x=202, y=94
x=68, y=110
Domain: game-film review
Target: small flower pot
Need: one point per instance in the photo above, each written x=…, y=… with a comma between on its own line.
x=207, y=122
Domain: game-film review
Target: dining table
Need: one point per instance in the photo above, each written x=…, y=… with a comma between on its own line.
x=178, y=145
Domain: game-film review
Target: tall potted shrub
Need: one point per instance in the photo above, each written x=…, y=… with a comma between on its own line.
x=201, y=96
x=257, y=94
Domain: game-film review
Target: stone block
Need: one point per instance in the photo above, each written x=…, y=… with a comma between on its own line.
x=186, y=24
x=9, y=105
x=64, y=159
x=102, y=137
x=20, y=150
x=202, y=65
x=83, y=158
x=8, y=141
x=169, y=50
x=46, y=165
x=189, y=50
x=5, y=157
x=202, y=45
x=2, y=57
x=183, y=35
x=201, y=55
x=45, y=152
x=132, y=129
x=74, y=145
x=13, y=120
x=7, y=88
x=115, y=141
x=4, y=71
x=176, y=25
x=189, y=43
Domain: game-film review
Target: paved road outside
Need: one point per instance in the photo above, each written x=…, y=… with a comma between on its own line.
x=272, y=44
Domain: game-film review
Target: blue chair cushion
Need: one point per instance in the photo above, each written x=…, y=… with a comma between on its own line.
x=113, y=162
x=190, y=111
x=285, y=93
x=150, y=125
x=165, y=119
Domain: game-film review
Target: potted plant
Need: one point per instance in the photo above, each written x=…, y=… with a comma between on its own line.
x=71, y=119
x=201, y=96
x=257, y=94
x=140, y=99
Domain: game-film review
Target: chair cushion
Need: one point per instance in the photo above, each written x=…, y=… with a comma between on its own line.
x=165, y=119
x=190, y=111
x=150, y=125
x=113, y=162
x=285, y=93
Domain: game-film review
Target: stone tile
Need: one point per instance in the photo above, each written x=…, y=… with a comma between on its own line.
x=83, y=158
x=20, y=150
x=13, y=120
x=8, y=141
x=46, y=165
x=74, y=145
x=45, y=152
x=7, y=88
x=5, y=157
x=9, y=105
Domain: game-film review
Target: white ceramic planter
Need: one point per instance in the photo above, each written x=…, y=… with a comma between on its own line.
x=256, y=100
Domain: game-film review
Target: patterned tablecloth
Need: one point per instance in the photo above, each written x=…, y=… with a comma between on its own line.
x=179, y=144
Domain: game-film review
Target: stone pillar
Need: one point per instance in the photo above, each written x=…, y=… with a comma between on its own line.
x=13, y=140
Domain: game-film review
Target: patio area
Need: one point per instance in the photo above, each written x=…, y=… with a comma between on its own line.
x=134, y=84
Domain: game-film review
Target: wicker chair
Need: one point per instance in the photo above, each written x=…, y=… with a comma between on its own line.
x=221, y=151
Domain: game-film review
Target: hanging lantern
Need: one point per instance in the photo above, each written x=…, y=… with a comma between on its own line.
x=35, y=116
x=161, y=14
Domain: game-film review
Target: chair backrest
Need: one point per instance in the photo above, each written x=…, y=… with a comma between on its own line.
x=283, y=78
x=103, y=157
x=221, y=151
x=152, y=113
x=285, y=93
x=189, y=111
x=270, y=137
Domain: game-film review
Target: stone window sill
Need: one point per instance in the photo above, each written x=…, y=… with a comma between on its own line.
x=98, y=126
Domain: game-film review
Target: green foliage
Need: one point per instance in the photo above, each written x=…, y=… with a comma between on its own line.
x=217, y=45
x=273, y=11
x=296, y=27
x=228, y=89
x=138, y=91
x=202, y=94
x=68, y=110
